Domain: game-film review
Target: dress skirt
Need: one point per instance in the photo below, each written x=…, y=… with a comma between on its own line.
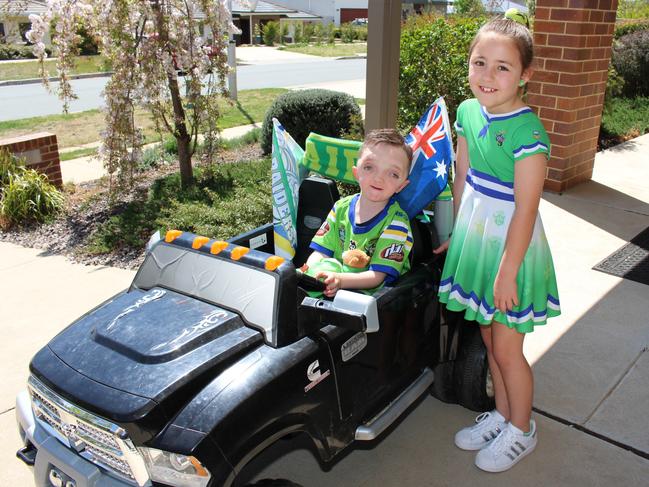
x=474, y=256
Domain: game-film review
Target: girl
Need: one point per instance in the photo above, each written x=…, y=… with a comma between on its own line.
x=498, y=268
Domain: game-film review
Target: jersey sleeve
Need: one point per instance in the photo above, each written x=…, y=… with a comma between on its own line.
x=459, y=124
x=393, y=248
x=529, y=139
x=326, y=238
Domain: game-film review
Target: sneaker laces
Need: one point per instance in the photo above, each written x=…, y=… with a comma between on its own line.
x=482, y=421
x=502, y=442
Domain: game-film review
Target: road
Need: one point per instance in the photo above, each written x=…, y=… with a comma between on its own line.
x=31, y=100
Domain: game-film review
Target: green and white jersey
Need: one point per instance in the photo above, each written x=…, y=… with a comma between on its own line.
x=386, y=238
x=496, y=142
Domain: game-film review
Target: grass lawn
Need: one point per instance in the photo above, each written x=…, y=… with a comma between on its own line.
x=328, y=50
x=29, y=69
x=84, y=127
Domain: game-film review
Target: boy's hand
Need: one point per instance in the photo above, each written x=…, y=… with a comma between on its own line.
x=332, y=280
x=505, y=293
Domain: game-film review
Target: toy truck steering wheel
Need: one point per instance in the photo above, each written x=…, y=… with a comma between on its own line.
x=309, y=283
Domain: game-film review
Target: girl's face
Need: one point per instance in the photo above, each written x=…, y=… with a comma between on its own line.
x=495, y=70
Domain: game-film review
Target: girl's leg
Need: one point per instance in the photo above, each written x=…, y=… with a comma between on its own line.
x=516, y=373
x=502, y=404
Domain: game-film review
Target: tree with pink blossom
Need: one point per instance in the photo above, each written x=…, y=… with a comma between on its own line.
x=147, y=42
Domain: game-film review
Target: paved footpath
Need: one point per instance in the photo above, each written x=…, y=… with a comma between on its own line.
x=591, y=364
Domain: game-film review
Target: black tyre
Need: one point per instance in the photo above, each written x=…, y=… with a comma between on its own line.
x=274, y=483
x=443, y=387
x=473, y=384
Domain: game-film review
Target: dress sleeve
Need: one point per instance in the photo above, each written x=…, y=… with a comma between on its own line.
x=392, y=248
x=459, y=127
x=529, y=139
x=325, y=239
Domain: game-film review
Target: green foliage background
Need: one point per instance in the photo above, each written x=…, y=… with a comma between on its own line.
x=434, y=63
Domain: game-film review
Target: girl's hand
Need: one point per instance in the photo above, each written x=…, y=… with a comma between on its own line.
x=332, y=280
x=443, y=247
x=505, y=293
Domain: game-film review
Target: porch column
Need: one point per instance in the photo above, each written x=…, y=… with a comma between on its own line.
x=382, y=85
x=572, y=41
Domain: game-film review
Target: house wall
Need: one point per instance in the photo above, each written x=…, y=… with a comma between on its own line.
x=40, y=151
x=322, y=8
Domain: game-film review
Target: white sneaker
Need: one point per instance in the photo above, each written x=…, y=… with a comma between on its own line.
x=511, y=446
x=488, y=426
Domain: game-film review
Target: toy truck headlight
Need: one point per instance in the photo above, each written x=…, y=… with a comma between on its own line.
x=174, y=468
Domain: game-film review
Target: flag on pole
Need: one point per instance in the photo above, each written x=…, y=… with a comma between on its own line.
x=432, y=157
x=287, y=174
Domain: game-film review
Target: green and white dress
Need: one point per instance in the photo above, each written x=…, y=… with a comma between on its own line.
x=495, y=143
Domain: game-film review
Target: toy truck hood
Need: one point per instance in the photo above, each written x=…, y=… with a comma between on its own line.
x=152, y=343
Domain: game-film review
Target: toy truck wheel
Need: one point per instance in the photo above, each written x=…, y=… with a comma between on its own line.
x=473, y=384
x=443, y=387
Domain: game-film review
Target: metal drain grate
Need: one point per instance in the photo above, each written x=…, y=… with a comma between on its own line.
x=630, y=261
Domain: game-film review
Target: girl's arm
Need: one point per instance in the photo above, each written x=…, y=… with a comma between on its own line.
x=461, y=168
x=350, y=280
x=529, y=175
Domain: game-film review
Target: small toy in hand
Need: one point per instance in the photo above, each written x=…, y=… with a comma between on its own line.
x=356, y=259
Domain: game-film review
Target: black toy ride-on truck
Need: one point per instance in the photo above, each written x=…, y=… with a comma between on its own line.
x=216, y=351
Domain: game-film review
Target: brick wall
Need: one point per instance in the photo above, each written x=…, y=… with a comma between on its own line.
x=572, y=40
x=40, y=151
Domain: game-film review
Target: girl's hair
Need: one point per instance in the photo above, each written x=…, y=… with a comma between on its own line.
x=513, y=30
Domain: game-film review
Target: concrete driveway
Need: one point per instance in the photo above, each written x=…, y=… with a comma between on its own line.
x=591, y=364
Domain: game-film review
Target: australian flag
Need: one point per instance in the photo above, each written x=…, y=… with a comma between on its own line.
x=432, y=157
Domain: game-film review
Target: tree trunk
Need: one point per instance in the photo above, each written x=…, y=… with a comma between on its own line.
x=183, y=138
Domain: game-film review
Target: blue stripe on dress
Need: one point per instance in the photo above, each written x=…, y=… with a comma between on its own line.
x=489, y=177
x=526, y=149
x=490, y=311
x=488, y=191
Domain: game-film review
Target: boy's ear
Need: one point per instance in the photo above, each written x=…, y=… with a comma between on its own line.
x=355, y=172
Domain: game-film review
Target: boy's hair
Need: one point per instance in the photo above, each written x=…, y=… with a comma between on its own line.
x=387, y=136
x=513, y=30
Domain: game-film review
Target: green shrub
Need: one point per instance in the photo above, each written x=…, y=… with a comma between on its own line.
x=308, y=31
x=301, y=112
x=270, y=32
x=614, y=88
x=153, y=157
x=170, y=145
x=330, y=33
x=434, y=54
x=630, y=27
x=13, y=51
x=630, y=59
x=25, y=195
x=347, y=32
x=361, y=32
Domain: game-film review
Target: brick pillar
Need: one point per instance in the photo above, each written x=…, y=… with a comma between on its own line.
x=39, y=151
x=572, y=41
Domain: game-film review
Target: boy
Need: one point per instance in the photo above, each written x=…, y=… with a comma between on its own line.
x=368, y=233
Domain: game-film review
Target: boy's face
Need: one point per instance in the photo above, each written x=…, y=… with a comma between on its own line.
x=382, y=170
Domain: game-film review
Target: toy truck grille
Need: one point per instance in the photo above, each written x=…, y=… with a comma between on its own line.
x=101, y=442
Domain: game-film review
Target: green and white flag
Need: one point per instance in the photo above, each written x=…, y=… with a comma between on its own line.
x=287, y=174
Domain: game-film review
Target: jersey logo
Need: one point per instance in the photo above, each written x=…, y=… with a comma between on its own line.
x=500, y=138
x=352, y=244
x=370, y=248
x=393, y=252
x=323, y=229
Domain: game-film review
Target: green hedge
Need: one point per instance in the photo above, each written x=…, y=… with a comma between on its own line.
x=630, y=58
x=15, y=51
x=300, y=112
x=434, y=63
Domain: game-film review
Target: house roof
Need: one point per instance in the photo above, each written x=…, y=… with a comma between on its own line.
x=269, y=8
